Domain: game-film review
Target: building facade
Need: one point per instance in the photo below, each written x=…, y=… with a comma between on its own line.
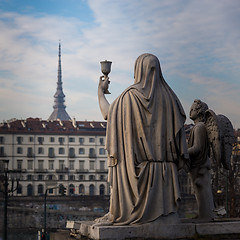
x=51, y=153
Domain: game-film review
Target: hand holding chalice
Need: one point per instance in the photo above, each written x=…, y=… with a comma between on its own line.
x=106, y=69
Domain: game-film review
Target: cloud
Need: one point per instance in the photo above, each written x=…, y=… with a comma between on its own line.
x=219, y=95
x=197, y=43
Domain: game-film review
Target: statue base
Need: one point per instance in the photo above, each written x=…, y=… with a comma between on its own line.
x=183, y=230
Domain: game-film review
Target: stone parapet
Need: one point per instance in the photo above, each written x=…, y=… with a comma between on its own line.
x=183, y=230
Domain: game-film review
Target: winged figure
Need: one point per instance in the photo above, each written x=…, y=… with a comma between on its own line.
x=210, y=132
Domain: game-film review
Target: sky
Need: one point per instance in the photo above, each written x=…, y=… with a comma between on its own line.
x=197, y=43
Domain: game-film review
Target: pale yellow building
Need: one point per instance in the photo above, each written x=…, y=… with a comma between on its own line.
x=50, y=153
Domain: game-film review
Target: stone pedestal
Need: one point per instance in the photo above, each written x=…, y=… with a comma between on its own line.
x=183, y=230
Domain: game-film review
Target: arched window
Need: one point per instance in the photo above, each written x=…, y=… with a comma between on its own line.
x=91, y=190
x=29, y=190
x=102, y=190
x=71, y=189
x=40, y=189
x=81, y=189
x=19, y=189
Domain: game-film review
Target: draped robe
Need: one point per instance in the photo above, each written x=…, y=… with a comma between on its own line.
x=145, y=143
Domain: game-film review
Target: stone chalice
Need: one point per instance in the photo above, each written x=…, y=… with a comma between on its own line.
x=106, y=69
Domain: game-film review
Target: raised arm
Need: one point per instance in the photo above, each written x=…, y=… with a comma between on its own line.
x=103, y=103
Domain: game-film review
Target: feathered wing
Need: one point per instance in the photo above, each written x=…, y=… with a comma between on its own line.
x=213, y=132
x=220, y=137
x=227, y=140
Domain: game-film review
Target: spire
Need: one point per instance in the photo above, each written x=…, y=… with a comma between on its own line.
x=59, y=111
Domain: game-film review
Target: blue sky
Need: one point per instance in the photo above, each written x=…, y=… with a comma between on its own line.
x=197, y=43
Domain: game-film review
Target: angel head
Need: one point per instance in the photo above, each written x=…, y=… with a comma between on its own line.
x=197, y=111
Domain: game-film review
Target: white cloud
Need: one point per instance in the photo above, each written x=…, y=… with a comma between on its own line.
x=197, y=43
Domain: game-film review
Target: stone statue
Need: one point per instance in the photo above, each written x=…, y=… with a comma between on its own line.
x=211, y=133
x=146, y=146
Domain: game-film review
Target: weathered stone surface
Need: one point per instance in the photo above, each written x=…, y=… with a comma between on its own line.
x=146, y=145
x=213, y=132
x=145, y=231
x=160, y=231
x=218, y=228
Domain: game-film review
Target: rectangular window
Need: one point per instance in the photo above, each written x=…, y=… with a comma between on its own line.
x=81, y=140
x=52, y=139
x=40, y=150
x=81, y=177
x=102, y=165
x=50, y=164
x=30, y=139
x=19, y=150
x=61, y=177
x=30, y=164
x=71, y=152
x=92, y=153
x=61, y=164
x=51, y=152
x=81, y=164
x=101, y=151
x=2, y=151
x=61, y=150
x=91, y=177
x=1, y=140
x=101, y=140
x=71, y=139
x=30, y=152
x=92, y=165
x=40, y=177
x=40, y=140
x=91, y=140
x=29, y=177
x=71, y=177
x=102, y=177
x=19, y=140
x=61, y=140
x=19, y=164
x=71, y=165
x=81, y=151
x=40, y=164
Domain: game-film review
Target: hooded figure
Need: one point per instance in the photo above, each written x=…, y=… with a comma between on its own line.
x=146, y=145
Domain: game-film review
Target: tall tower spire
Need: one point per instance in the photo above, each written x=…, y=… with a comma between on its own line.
x=59, y=111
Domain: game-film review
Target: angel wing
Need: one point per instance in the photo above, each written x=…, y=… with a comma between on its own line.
x=227, y=140
x=213, y=132
x=220, y=137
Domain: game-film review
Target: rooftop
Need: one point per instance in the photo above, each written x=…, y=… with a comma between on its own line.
x=39, y=126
